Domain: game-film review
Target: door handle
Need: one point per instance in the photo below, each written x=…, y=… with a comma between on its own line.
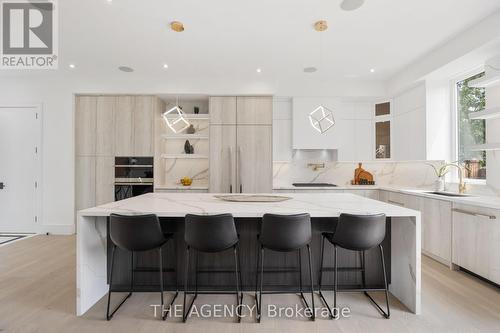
x=461, y=211
x=396, y=203
x=239, y=169
x=2, y=186
x=230, y=169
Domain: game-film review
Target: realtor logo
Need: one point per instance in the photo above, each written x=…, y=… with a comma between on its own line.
x=28, y=35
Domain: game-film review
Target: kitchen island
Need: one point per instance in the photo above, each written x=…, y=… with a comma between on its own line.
x=402, y=243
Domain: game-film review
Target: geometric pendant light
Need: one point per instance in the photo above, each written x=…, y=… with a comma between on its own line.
x=321, y=119
x=175, y=119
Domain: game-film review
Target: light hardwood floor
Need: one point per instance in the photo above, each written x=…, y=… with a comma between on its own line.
x=37, y=294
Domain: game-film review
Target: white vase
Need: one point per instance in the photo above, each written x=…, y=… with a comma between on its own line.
x=440, y=185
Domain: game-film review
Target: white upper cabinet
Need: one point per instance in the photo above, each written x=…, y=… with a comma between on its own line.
x=352, y=133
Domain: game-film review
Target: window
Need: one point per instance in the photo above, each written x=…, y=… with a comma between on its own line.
x=471, y=131
x=382, y=130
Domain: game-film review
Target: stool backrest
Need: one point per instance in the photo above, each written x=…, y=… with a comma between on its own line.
x=210, y=233
x=136, y=232
x=285, y=232
x=360, y=232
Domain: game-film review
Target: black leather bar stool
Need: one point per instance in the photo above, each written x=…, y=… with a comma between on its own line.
x=137, y=233
x=284, y=233
x=211, y=234
x=356, y=233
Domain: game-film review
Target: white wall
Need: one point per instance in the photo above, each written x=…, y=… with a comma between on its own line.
x=57, y=146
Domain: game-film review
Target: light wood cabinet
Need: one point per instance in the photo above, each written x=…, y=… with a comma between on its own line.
x=476, y=240
x=124, y=129
x=241, y=144
x=222, y=110
x=143, y=124
x=105, y=126
x=254, y=110
x=223, y=159
x=85, y=182
x=85, y=125
x=436, y=222
x=254, y=159
x=436, y=229
x=104, y=179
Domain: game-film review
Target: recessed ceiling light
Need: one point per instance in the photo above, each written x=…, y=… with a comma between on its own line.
x=372, y=70
x=351, y=4
x=310, y=69
x=165, y=66
x=177, y=26
x=126, y=69
x=259, y=70
x=72, y=66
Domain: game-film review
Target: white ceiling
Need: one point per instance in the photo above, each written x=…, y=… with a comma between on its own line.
x=230, y=38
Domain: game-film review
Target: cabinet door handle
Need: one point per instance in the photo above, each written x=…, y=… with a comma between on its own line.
x=466, y=212
x=230, y=169
x=396, y=203
x=239, y=169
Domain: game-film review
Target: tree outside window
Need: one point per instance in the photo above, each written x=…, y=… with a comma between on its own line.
x=471, y=131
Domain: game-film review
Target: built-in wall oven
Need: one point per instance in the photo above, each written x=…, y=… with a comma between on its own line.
x=133, y=176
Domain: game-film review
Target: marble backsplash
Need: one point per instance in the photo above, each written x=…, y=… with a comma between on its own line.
x=410, y=174
x=414, y=174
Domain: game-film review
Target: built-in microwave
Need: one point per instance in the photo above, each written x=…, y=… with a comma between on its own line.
x=133, y=176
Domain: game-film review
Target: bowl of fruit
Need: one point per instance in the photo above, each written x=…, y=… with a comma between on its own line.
x=186, y=181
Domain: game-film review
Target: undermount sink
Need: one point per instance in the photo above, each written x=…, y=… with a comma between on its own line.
x=449, y=194
x=314, y=185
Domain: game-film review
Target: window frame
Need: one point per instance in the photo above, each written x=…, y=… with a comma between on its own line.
x=454, y=121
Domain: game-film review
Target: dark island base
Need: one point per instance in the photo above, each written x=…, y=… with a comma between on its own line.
x=248, y=228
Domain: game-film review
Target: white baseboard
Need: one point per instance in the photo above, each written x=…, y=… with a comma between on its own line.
x=57, y=229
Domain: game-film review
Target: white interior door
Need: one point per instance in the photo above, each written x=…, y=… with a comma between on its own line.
x=19, y=168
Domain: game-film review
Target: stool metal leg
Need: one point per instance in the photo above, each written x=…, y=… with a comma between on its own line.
x=321, y=278
x=257, y=280
x=238, y=282
x=335, y=277
x=161, y=282
x=312, y=282
x=384, y=313
x=259, y=308
x=166, y=313
x=108, y=315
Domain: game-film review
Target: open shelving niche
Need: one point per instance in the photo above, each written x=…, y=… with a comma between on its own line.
x=171, y=162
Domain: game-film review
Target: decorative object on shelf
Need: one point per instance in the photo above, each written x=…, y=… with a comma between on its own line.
x=381, y=151
x=252, y=198
x=188, y=147
x=196, y=110
x=362, y=177
x=186, y=181
x=321, y=119
x=190, y=129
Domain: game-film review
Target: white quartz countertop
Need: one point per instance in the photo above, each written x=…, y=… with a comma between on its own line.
x=472, y=199
x=316, y=204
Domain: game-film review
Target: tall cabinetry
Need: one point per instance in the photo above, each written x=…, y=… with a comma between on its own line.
x=241, y=144
x=105, y=127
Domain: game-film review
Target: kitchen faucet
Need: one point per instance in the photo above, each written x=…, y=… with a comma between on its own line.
x=316, y=166
x=462, y=187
